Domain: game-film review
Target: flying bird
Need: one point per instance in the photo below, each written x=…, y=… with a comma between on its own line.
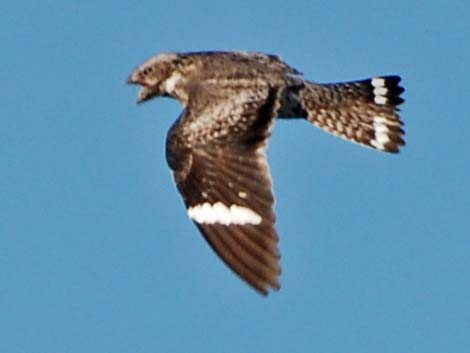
x=216, y=149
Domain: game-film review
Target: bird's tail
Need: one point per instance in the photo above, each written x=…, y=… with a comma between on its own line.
x=365, y=112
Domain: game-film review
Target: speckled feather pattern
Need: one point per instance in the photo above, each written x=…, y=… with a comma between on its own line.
x=217, y=147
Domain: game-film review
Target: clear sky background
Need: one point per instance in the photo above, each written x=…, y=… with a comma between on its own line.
x=97, y=253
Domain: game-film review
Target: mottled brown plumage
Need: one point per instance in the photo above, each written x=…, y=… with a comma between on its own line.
x=216, y=148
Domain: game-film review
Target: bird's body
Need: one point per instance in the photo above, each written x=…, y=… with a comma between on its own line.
x=216, y=148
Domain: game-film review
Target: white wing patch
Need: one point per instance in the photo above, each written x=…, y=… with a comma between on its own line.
x=219, y=213
x=380, y=91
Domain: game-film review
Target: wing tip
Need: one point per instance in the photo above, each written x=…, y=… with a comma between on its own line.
x=266, y=289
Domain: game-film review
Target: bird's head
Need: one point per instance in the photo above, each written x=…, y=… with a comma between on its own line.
x=157, y=76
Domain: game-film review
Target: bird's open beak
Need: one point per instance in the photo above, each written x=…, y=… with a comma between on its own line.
x=146, y=93
x=133, y=79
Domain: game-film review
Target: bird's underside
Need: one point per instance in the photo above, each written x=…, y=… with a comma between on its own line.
x=216, y=148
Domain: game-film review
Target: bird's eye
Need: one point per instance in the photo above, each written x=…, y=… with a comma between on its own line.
x=147, y=70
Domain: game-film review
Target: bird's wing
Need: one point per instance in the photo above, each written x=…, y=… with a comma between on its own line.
x=217, y=153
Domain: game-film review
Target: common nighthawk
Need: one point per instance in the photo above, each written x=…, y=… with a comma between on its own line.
x=216, y=148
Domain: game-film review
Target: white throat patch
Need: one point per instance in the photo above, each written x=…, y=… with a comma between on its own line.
x=170, y=83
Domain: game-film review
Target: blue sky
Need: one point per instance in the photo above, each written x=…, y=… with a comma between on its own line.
x=96, y=251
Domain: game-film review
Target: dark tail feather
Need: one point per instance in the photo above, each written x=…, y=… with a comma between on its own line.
x=365, y=112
